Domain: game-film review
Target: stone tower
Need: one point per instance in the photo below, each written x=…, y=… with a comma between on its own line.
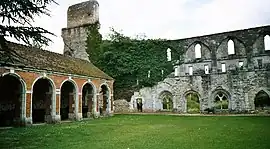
x=79, y=17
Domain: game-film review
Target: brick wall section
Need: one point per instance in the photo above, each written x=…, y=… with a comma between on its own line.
x=28, y=104
x=58, y=104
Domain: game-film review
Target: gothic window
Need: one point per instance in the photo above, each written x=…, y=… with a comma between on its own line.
x=241, y=63
x=169, y=54
x=190, y=70
x=231, y=49
x=198, y=51
x=267, y=42
x=193, y=103
x=221, y=100
x=262, y=100
x=176, y=71
x=223, y=67
x=206, y=69
x=167, y=100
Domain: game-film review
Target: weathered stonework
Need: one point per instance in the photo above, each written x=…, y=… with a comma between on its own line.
x=79, y=17
x=239, y=84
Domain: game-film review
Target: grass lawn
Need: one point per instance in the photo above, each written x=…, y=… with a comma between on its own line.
x=145, y=132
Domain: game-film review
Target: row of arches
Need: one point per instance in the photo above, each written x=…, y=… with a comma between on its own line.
x=198, y=53
x=43, y=96
x=220, y=99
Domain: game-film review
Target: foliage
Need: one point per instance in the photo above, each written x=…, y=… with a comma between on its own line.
x=128, y=60
x=17, y=17
x=145, y=132
x=93, y=42
x=221, y=104
x=167, y=101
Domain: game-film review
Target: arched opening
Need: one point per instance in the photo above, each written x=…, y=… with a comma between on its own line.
x=12, y=94
x=193, y=102
x=221, y=100
x=105, y=98
x=42, y=98
x=139, y=104
x=231, y=49
x=167, y=100
x=262, y=101
x=267, y=42
x=87, y=100
x=68, y=97
x=169, y=54
x=198, y=51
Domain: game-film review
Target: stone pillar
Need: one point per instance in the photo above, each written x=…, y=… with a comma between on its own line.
x=78, y=108
x=96, y=106
x=50, y=111
x=71, y=105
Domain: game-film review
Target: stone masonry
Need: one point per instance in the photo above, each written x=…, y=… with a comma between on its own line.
x=246, y=71
x=79, y=17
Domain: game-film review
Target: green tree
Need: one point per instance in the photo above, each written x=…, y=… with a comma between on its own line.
x=17, y=17
x=93, y=43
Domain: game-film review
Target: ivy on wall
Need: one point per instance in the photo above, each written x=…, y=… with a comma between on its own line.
x=133, y=63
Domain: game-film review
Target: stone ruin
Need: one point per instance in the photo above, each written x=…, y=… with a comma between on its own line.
x=227, y=71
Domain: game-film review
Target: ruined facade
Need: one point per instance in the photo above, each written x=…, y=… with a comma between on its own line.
x=79, y=17
x=229, y=71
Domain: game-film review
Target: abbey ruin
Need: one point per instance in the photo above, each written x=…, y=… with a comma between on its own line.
x=228, y=71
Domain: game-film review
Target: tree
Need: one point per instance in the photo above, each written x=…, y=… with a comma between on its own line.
x=17, y=17
x=93, y=42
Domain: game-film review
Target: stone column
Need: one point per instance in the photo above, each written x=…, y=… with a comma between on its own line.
x=71, y=105
x=78, y=108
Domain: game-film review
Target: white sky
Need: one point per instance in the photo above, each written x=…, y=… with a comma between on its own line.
x=171, y=19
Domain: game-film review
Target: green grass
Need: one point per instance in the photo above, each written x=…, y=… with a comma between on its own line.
x=145, y=132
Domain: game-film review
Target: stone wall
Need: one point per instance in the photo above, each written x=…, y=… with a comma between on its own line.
x=239, y=83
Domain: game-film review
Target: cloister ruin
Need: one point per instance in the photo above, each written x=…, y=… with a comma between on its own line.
x=228, y=71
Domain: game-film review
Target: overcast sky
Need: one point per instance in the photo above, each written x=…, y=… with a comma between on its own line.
x=171, y=19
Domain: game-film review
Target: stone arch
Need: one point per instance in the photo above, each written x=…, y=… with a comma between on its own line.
x=105, y=98
x=262, y=100
x=88, y=99
x=12, y=88
x=198, y=50
x=190, y=52
x=68, y=99
x=230, y=45
x=166, y=99
x=222, y=49
x=251, y=95
x=192, y=101
x=169, y=54
x=221, y=99
x=43, y=110
x=266, y=42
